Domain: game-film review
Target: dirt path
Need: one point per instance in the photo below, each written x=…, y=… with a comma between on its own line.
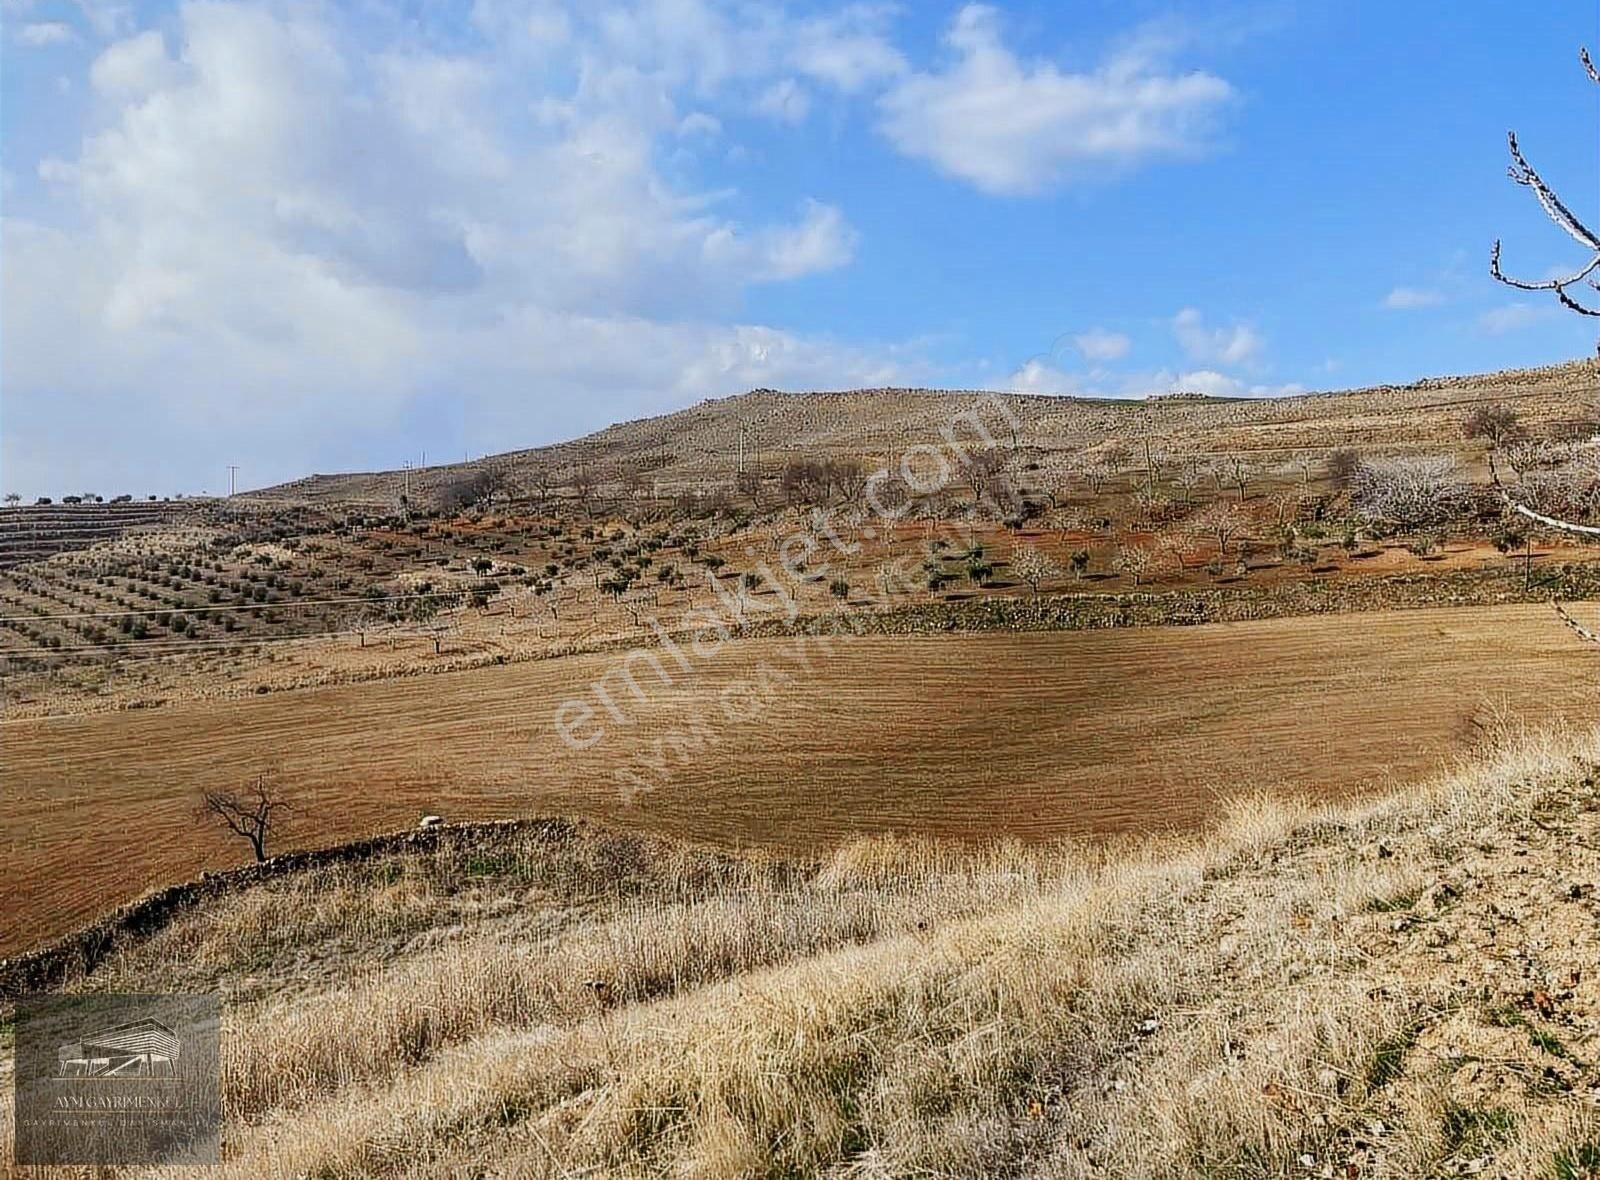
x=977, y=734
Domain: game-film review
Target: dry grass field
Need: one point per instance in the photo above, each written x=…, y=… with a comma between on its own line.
x=790, y=743
x=1396, y=988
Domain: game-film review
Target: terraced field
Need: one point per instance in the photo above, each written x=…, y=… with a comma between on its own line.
x=984, y=734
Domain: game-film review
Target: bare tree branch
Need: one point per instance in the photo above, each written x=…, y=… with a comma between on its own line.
x=1549, y=522
x=248, y=813
x=1527, y=175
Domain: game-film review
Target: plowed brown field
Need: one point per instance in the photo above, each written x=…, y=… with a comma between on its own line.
x=973, y=735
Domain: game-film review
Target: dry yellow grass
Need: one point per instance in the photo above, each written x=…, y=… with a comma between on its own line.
x=1404, y=986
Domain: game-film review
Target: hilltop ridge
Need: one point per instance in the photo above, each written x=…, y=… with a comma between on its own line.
x=698, y=445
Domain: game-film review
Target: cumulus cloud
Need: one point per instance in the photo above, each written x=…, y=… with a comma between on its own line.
x=1234, y=345
x=1042, y=375
x=1097, y=344
x=280, y=239
x=131, y=69
x=1037, y=376
x=849, y=50
x=1511, y=317
x=700, y=123
x=46, y=33
x=1411, y=298
x=1009, y=126
x=785, y=100
x=1215, y=384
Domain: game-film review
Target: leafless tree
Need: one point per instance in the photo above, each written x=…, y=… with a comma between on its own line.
x=1241, y=472
x=1154, y=461
x=1285, y=503
x=804, y=481
x=1115, y=453
x=637, y=490
x=1525, y=174
x=1342, y=464
x=468, y=489
x=1096, y=473
x=848, y=479
x=1188, y=479
x=583, y=484
x=359, y=620
x=1493, y=421
x=439, y=629
x=982, y=470
x=1220, y=520
x=249, y=812
x=542, y=479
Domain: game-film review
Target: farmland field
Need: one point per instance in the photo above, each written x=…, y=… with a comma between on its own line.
x=983, y=734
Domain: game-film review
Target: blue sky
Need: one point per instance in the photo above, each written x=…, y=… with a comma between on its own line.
x=303, y=237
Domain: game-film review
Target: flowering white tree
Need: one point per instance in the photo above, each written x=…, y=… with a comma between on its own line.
x=1033, y=567
x=1135, y=561
x=1410, y=492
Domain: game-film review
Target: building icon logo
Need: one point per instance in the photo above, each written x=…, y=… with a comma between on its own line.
x=114, y=1079
x=145, y=1049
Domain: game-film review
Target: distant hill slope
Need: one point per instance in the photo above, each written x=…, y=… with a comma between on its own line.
x=701, y=443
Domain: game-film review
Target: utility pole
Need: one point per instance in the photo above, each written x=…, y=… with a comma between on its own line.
x=233, y=470
x=406, y=466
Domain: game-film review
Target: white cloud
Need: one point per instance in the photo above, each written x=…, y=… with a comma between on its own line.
x=1215, y=384
x=1040, y=375
x=847, y=50
x=131, y=69
x=1234, y=345
x=1037, y=376
x=1411, y=298
x=46, y=33
x=821, y=241
x=700, y=123
x=1013, y=127
x=273, y=236
x=1097, y=344
x=1511, y=317
x=108, y=18
x=785, y=100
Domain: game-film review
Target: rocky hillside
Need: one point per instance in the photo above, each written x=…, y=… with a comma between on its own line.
x=702, y=443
